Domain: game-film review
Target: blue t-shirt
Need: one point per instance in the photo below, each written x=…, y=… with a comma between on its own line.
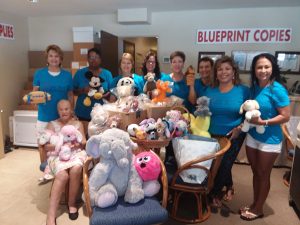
x=199, y=88
x=57, y=86
x=269, y=99
x=225, y=108
x=80, y=81
x=181, y=90
x=138, y=82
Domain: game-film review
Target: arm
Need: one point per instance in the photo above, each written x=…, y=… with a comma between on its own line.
x=71, y=98
x=81, y=130
x=282, y=117
x=190, y=81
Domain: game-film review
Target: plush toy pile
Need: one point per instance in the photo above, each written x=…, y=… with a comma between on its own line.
x=101, y=121
x=115, y=175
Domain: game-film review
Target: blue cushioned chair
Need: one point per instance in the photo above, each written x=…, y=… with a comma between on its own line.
x=146, y=212
x=180, y=190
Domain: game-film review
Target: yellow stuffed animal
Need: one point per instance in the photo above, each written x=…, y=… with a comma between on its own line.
x=199, y=125
x=37, y=97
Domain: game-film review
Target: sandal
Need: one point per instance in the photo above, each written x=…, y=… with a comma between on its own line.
x=244, y=209
x=249, y=216
x=228, y=194
x=216, y=202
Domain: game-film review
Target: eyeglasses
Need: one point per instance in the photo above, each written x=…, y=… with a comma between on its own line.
x=151, y=62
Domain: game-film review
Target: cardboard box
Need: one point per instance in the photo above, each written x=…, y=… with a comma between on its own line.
x=76, y=65
x=129, y=118
x=156, y=112
x=80, y=50
x=85, y=34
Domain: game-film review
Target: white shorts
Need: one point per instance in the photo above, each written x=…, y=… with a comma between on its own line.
x=40, y=127
x=264, y=147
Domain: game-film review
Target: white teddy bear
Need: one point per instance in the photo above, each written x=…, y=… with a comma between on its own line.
x=251, y=108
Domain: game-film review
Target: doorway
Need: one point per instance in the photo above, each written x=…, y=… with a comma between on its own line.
x=138, y=47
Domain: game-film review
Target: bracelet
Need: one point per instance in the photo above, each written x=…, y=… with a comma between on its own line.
x=266, y=124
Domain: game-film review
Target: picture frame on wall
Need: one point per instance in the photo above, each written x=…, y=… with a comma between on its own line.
x=288, y=61
x=213, y=55
x=243, y=59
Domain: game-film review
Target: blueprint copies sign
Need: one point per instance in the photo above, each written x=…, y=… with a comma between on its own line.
x=245, y=35
x=6, y=31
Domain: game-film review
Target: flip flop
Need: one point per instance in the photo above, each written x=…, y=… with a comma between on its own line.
x=244, y=209
x=249, y=216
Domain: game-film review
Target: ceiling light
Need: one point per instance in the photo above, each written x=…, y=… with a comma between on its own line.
x=33, y=1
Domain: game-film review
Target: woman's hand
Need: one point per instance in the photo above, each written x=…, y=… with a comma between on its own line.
x=49, y=147
x=234, y=133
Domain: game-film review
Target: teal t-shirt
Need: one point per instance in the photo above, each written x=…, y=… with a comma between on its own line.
x=199, y=88
x=181, y=90
x=80, y=81
x=225, y=108
x=269, y=99
x=57, y=86
x=138, y=82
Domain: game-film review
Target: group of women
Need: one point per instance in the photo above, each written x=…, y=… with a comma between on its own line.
x=219, y=81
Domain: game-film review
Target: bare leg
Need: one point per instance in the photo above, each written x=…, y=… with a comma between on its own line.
x=265, y=161
x=57, y=189
x=252, y=158
x=74, y=185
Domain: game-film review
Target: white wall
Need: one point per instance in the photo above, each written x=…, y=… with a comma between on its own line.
x=13, y=66
x=176, y=30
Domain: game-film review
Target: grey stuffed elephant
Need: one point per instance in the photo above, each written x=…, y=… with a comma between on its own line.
x=115, y=174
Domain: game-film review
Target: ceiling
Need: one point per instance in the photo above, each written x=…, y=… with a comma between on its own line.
x=84, y=7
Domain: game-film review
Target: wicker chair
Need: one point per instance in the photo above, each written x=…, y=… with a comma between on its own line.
x=149, y=211
x=179, y=189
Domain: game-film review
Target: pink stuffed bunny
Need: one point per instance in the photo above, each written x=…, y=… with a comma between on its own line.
x=68, y=136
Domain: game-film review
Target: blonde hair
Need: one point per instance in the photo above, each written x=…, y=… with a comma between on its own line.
x=55, y=48
x=127, y=56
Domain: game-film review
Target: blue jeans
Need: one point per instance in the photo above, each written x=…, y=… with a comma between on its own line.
x=224, y=176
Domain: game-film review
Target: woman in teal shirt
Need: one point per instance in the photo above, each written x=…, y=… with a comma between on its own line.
x=263, y=149
x=126, y=66
x=177, y=77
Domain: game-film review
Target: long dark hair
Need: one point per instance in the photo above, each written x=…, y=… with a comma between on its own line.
x=275, y=76
x=156, y=69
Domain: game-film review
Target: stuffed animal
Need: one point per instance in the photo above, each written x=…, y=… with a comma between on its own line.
x=99, y=118
x=162, y=88
x=68, y=136
x=115, y=174
x=251, y=108
x=148, y=167
x=202, y=107
x=150, y=83
x=125, y=87
x=48, y=136
x=162, y=129
x=36, y=97
x=96, y=90
x=201, y=121
x=180, y=129
x=135, y=131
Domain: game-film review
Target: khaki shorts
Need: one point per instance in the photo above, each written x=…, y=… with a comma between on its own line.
x=264, y=147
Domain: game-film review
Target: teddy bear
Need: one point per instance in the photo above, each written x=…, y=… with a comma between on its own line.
x=150, y=83
x=96, y=90
x=125, y=87
x=202, y=107
x=148, y=167
x=251, y=107
x=99, y=118
x=68, y=136
x=115, y=174
x=162, y=129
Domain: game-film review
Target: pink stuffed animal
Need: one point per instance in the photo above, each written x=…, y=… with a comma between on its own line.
x=148, y=167
x=68, y=136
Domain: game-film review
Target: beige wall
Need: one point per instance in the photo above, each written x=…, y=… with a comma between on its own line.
x=175, y=30
x=13, y=66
